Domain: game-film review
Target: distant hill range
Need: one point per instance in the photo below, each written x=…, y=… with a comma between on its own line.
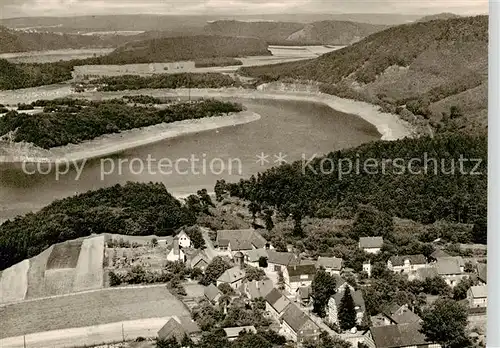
x=424, y=67
x=185, y=48
x=288, y=33
x=439, y=16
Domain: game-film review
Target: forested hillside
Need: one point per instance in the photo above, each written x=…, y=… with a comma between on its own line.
x=433, y=186
x=20, y=41
x=15, y=76
x=184, y=48
x=290, y=33
x=70, y=121
x=134, y=209
x=427, y=67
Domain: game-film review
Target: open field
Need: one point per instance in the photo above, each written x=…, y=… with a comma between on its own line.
x=88, y=309
x=90, y=336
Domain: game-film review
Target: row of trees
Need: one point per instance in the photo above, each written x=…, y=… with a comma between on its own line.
x=64, y=125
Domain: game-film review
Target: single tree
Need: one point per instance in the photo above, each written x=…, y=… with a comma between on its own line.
x=268, y=219
x=347, y=311
x=322, y=288
x=445, y=323
x=263, y=262
x=154, y=242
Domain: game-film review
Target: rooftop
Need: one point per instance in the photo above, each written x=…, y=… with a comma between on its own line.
x=414, y=260
x=449, y=265
x=172, y=329
x=334, y=263
x=480, y=291
x=232, y=332
x=211, y=292
x=282, y=258
x=277, y=300
x=396, y=336
x=260, y=288
x=241, y=239
x=298, y=320
x=439, y=253
x=232, y=275
x=301, y=269
x=255, y=254
x=482, y=272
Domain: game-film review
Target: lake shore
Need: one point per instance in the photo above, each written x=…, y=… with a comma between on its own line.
x=114, y=143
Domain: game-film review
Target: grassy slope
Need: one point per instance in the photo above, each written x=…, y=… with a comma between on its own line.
x=426, y=60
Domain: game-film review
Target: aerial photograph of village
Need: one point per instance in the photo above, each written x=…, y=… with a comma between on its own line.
x=243, y=173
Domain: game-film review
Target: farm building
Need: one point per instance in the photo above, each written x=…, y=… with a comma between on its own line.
x=332, y=265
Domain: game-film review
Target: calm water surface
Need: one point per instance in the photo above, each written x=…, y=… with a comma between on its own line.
x=291, y=128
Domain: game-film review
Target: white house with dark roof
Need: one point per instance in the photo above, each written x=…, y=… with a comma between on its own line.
x=277, y=260
x=477, y=296
x=371, y=245
x=199, y=260
x=297, y=326
x=184, y=240
x=406, y=263
x=296, y=276
x=175, y=253
x=332, y=265
x=233, y=276
x=451, y=269
x=231, y=241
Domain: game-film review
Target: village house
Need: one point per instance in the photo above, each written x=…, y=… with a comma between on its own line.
x=212, y=293
x=232, y=333
x=451, y=269
x=297, y=326
x=341, y=284
x=371, y=245
x=407, y=263
x=252, y=257
x=184, y=240
x=199, y=260
x=332, y=265
x=277, y=261
x=437, y=254
x=276, y=303
x=396, y=314
x=482, y=273
x=303, y=295
x=477, y=296
x=233, y=276
x=176, y=253
x=257, y=288
x=334, y=303
x=398, y=336
x=178, y=328
x=297, y=276
x=232, y=241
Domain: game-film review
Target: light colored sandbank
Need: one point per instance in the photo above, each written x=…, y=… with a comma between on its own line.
x=114, y=143
x=390, y=126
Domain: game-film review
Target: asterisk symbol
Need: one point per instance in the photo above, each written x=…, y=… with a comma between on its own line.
x=280, y=158
x=262, y=159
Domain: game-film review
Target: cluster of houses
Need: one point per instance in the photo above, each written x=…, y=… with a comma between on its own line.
x=287, y=287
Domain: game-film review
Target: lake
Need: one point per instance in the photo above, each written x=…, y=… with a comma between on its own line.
x=294, y=129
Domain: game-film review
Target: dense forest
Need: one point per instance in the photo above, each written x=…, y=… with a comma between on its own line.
x=134, y=209
x=420, y=179
x=426, y=67
x=180, y=48
x=68, y=121
x=15, y=76
x=172, y=81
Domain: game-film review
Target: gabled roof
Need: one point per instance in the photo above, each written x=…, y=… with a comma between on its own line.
x=482, y=272
x=232, y=275
x=301, y=269
x=282, y=258
x=339, y=281
x=241, y=239
x=259, y=288
x=304, y=292
x=371, y=242
x=334, y=263
x=255, y=254
x=277, y=300
x=211, y=292
x=357, y=297
x=189, y=325
x=405, y=316
x=200, y=257
x=175, y=247
x=414, y=260
x=172, y=329
x=232, y=332
x=439, y=253
x=449, y=265
x=479, y=291
x=396, y=336
x=298, y=320
x=426, y=273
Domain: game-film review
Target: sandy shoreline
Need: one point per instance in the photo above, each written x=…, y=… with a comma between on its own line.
x=113, y=143
x=390, y=126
